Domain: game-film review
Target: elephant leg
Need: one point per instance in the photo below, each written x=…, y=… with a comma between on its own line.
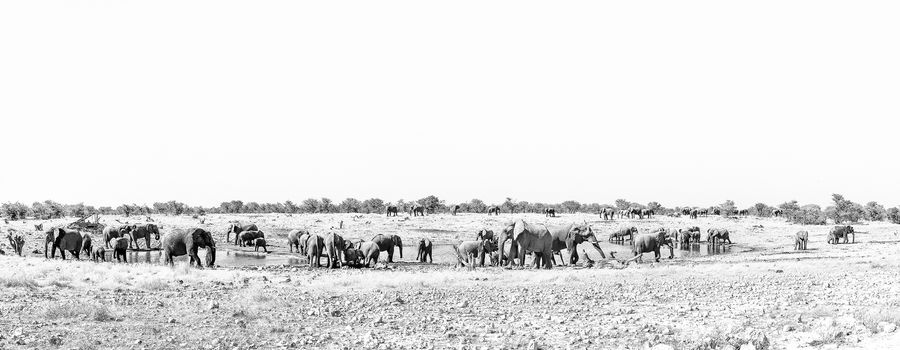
x=547, y=264
x=521, y=254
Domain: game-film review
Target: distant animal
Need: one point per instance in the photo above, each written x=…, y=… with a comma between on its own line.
x=236, y=229
x=714, y=236
x=143, y=231
x=839, y=232
x=694, y=213
x=800, y=240
x=38, y=227
x=417, y=210
x=259, y=243
x=187, y=242
x=493, y=210
x=64, y=240
x=119, y=247
x=246, y=237
x=646, y=213
x=423, y=253
x=295, y=238
x=454, y=209
x=743, y=212
x=619, y=236
x=777, y=212
x=98, y=254
x=550, y=212
x=392, y=210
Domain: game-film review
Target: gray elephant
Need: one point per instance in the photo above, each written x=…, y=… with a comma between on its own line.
x=800, y=240
x=259, y=243
x=236, y=229
x=119, y=249
x=98, y=254
x=454, y=209
x=112, y=232
x=550, y=212
x=144, y=231
x=295, y=238
x=417, y=210
x=246, y=237
x=392, y=210
x=423, y=253
x=336, y=246
x=569, y=237
x=353, y=257
x=839, y=232
x=493, y=210
x=387, y=243
x=619, y=235
x=315, y=248
x=714, y=236
x=467, y=252
x=651, y=243
x=187, y=242
x=64, y=240
x=528, y=238
x=647, y=213
x=86, y=244
x=370, y=252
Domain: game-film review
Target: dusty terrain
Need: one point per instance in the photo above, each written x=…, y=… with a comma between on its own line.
x=761, y=294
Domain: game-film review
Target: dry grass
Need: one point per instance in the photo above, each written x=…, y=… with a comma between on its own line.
x=870, y=318
x=18, y=280
x=99, y=313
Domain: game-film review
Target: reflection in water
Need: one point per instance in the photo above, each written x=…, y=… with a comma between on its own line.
x=223, y=258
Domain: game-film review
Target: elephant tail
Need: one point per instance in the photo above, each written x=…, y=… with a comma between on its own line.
x=459, y=255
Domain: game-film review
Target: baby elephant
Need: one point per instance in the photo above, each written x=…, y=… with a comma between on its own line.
x=246, y=238
x=800, y=239
x=259, y=243
x=98, y=254
x=468, y=252
x=424, y=251
x=353, y=257
x=120, y=245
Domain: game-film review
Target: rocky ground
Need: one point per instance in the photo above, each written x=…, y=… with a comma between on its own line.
x=763, y=296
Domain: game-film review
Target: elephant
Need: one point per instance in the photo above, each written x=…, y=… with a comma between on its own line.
x=619, y=236
x=487, y=235
x=467, y=252
x=528, y=237
x=494, y=210
x=335, y=245
x=607, y=213
x=259, y=243
x=392, y=210
x=569, y=237
x=839, y=232
x=353, y=257
x=550, y=212
x=424, y=251
x=237, y=229
x=111, y=232
x=743, y=212
x=64, y=240
x=800, y=240
x=694, y=213
x=186, y=242
x=454, y=209
x=143, y=231
x=690, y=235
x=370, y=252
x=651, y=243
x=715, y=235
x=715, y=211
x=120, y=247
x=295, y=237
x=98, y=254
x=86, y=244
x=646, y=213
x=387, y=243
x=777, y=212
x=246, y=237
x=703, y=212
x=417, y=210
x=315, y=247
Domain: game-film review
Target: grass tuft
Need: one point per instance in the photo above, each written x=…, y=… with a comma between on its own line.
x=18, y=281
x=99, y=313
x=870, y=318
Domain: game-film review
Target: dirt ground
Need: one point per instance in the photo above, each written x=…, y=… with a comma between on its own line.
x=761, y=294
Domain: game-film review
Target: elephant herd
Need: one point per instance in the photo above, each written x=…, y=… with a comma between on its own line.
x=339, y=251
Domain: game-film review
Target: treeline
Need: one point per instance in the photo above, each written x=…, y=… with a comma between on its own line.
x=842, y=211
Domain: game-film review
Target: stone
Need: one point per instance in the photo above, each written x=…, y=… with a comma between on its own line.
x=662, y=347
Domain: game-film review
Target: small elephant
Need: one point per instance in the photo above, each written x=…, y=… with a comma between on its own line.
x=111, y=232
x=144, y=231
x=295, y=238
x=237, y=229
x=839, y=232
x=370, y=252
x=424, y=251
x=120, y=247
x=651, y=243
x=353, y=257
x=187, y=242
x=246, y=237
x=713, y=236
x=98, y=254
x=619, y=236
x=259, y=243
x=800, y=240
x=467, y=253
x=86, y=244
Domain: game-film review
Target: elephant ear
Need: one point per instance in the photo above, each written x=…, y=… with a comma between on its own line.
x=518, y=229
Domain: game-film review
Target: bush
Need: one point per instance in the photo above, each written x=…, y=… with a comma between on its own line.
x=875, y=211
x=893, y=214
x=809, y=214
x=844, y=210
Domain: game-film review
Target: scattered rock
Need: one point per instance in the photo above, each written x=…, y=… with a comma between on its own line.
x=787, y=328
x=172, y=320
x=212, y=305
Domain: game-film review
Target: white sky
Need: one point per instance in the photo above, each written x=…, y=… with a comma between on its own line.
x=681, y=102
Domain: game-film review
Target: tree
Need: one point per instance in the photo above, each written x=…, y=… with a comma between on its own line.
x=656, y=207
x=477, y=206
x=290, y=207
x=14, y=211
x=310, y=205
x=431, y=203
x=622, y=204
x=509, y=205
x=350, y=205
x=893, y=215
x=809, y=214
x=875, y=211
x=373, y=205
x=844, y=210
x=727, y=208
x=571, y=206
x=326, y=205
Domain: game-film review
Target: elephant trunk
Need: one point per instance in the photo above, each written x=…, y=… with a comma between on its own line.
x=210, y=256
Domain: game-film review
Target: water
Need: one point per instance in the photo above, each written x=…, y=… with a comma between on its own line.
x=224, y=257
x=693, y=250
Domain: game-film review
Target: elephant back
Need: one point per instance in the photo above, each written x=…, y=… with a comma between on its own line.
x=120, y=243
x=69, y=240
